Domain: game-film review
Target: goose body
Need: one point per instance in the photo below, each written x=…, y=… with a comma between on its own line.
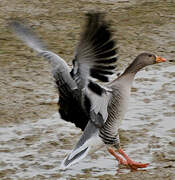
x=114, y=104
x=117, y=108
x=95, y=108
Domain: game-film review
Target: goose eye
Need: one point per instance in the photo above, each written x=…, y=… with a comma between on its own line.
x=150, y=55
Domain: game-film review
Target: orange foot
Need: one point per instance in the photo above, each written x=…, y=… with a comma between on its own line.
x=127, y=162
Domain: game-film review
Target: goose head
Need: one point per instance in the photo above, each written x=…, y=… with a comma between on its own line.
x=143, y=60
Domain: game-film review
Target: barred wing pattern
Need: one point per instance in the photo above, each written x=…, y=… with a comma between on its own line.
x=95, y=55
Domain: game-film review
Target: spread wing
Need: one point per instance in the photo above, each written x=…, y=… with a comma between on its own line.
x=60, y=69
x=95, y=59
x=95, y=55
x=70, y=102
x=82, y=101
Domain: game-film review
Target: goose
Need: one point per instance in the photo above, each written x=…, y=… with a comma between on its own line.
x=87, y=96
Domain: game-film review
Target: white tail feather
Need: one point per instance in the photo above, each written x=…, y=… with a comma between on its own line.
x=67, y=162
x=81, y=152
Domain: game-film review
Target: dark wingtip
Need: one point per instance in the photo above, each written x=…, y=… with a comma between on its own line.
x=98, y=14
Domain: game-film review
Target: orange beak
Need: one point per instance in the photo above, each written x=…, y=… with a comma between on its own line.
x=160, y=59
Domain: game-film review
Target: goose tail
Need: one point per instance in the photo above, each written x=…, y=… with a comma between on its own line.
x=74, y=157
x=88, y=143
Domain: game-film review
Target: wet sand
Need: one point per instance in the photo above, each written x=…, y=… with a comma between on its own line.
x=33, y=139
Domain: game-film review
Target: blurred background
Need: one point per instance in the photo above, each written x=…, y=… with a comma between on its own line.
x=33, y=138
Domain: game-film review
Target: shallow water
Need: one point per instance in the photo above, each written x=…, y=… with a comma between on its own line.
x=36, y=149
x=151, y=113
x=33, y=138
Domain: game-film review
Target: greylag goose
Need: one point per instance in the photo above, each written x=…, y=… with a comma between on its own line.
x=96, y=108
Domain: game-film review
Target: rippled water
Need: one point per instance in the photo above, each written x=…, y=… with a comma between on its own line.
x=32, y=148
x=152, y=112
x=36, y=149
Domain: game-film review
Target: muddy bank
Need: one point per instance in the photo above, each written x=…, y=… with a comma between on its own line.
x=33, y=141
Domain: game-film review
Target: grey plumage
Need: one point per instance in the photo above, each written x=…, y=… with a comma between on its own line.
x=95, y=56
x=109, y=132
x=74, y=103
x=94, y=107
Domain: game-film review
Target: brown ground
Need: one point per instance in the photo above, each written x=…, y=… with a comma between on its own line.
x=26, y=86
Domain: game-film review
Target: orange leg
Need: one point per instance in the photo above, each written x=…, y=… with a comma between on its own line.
x=127, y=162
x=119, y=159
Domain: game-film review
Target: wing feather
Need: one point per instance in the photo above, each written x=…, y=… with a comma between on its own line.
x=95, y=57
x=96, y=53
x=70, y=102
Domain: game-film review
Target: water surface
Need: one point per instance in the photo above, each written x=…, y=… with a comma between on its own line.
x=33, y=138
